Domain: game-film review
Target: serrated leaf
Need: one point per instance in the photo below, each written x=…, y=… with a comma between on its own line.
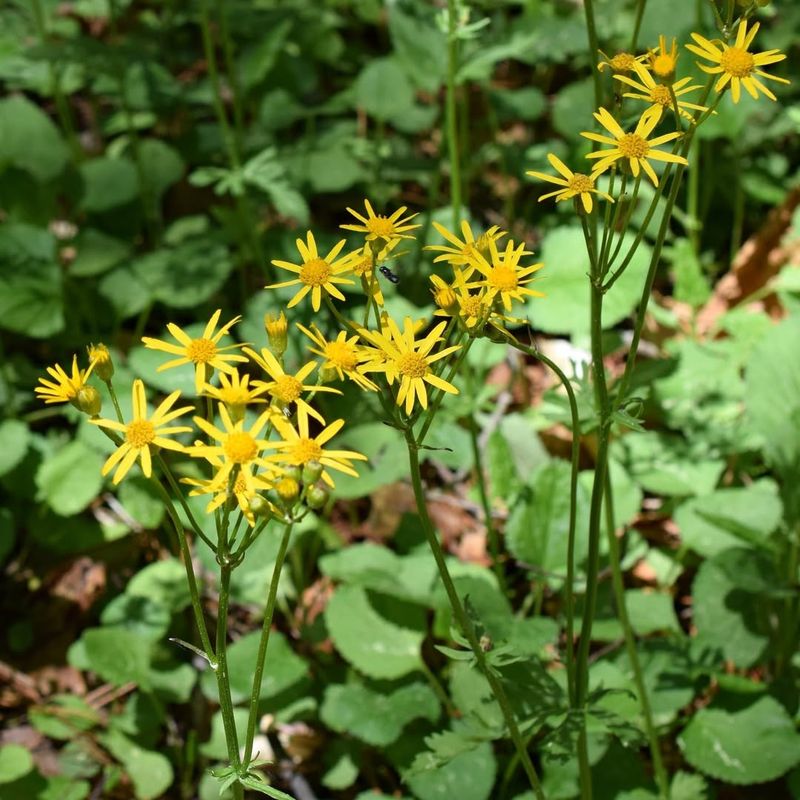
x=720, y=742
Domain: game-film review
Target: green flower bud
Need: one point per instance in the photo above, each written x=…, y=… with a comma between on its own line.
x=276, y=328
x=89, y=401
x=311, y=472
x=260, y=506
x=316, y=497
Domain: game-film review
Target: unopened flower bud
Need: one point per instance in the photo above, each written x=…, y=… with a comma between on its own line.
x=259, y=505
x=101, y=358
x=316, y=497
x=89, y=401
x=287, y=489
x=444, y=296
x=294, y=472
x=311, y=472
x=328, y=375
x=276, y=328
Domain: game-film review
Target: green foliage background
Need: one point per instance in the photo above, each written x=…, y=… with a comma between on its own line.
x=139, y=185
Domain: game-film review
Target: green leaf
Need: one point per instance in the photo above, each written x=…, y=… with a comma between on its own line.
x=469, y=776
x=650, y=611
x=257, y=61
x=15, y=761
x=150, y=772
x=343, y=756
x=726, y=615
x=31, y=299
x=142, y=501
x=14, y=438
x=389, y=651
x=284, y=668
x=565, y=282
x=96, y=253
x=255, y=781
x=377, y=716
x=118, y=655
x=572, y=113
x=687, y=786
x=730, y=518
x=64, y=716
x=382, y=89
x=773, y=393
x=145, y=363
x=420, y=47
x=70, y=479
x=163, y=582
x=754, y=744
x=108, y=183
x=216, y=746
x=29, y=140
x=140, y=615
x=162, y=166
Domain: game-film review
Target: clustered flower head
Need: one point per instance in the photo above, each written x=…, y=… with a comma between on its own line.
x=653, y=77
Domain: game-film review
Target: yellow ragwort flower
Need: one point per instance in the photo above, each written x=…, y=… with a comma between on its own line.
x=376, y=226
x=64, y=388
x=662, y=61
x=736, y=65
x=463, y=250
x=621, y=62
x=235, y=392
x=574, y=184
x=635, y=147
x=204, y=352
x=143, y=432
x=409, y=361
x=315, y=274
x=299, y=448
x=659, y=95
x=286, y=389
x=503, y=276
x=238, y=448
x=342, y=355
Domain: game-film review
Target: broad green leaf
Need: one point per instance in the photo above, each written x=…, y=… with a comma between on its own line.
x=31, y=300
x=420, y=47
x=145, y=363
x=142, y=501
x=730, y=517
x=96, y=253
x=70, y=479
x=140, y=615
x=343, y=757
x=572, y=113
x=117, y=655
x=216, y=746
x=772, y=393
x=565, y=309
x=377, y=716
x=63, y=716
x=15, y=761
x=14, y=439
x=284, y=668
x=382, y=89
x=651, y=611
x=742, y=745
x=29, y=140
x=150, y=772
x=108, y=183
x=163, y=166
x=163, y=582
x=726, y=614
x=688, y=786
x=389, y=651
x=469, y=776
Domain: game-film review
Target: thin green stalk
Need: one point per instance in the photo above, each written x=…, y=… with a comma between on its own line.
x=230, y=69
x=573, y=508
x=662, y=779
x=637, y=25
x=113, y=395
x=463, y=621
x=738, y=204
x=594, y=49
x=62, y=106
x=623, y=228
x=452, y=119
x=266, y=627
x=693, y=195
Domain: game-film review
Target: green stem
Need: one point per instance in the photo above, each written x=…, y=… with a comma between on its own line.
x=662, y=780
x=594, y=49
x=114, y=400
x=230, y=69
x=266, y=627
x=452, y=118
x=637, y=25
x=463, y=621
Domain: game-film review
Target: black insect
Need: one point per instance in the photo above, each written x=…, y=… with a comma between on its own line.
x=389, y=275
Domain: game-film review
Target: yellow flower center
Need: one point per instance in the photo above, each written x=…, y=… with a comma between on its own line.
x=287, y=389
x=363, y=267
x=201, y=351
x=663, y=65
x=633, y=146
x=240, y=485
x=737, y=62
x=234, y=396
x=240, y=447
x=580, y=183
x=140, y=433
x=502, y=278
x=472, y=306
x=660, y=94
x=287, y=488
x=622, y=62
x=306, y=450
x=412, y=365
x=380, y=226
x=342, y=355
x=315, y=272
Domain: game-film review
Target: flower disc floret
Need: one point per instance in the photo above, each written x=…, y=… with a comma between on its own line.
x=240, y=447
x=342, y=355
x=305, y=450
x=287, y=389
x=737, y=62
x=388, y=228
x=316, y=272
x=502, y=278
x=412, y=365
x=573, y=184
x=140, y=433
x=633, y=146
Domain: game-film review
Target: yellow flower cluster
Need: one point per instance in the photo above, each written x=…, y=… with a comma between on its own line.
x=653, y=77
